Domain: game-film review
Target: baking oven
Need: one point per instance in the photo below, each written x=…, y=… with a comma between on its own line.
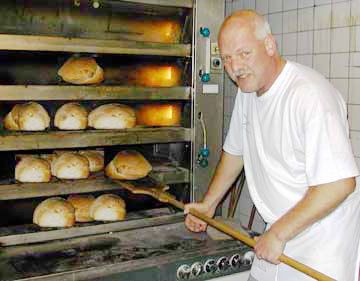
x=157, y=59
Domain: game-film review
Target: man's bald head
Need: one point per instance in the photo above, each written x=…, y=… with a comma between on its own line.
x=247, y=19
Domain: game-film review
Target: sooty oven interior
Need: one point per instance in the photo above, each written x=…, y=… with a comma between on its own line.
x=154, y=53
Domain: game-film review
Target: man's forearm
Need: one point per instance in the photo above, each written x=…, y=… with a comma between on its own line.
x=225, y=174
x=318, y=202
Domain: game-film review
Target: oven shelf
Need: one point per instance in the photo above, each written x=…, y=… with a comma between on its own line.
x=38, y=92
x=86, y=138
x=31, y=233
x=99, y=182
x=63, y=44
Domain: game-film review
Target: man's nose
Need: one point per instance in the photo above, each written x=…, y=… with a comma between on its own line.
x=236, y=64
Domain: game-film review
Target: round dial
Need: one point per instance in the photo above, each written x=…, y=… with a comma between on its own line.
x=183, y=272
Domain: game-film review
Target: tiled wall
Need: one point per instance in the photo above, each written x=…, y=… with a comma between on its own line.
x=323, y=34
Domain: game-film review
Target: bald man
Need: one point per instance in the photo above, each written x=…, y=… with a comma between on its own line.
x=289, y=124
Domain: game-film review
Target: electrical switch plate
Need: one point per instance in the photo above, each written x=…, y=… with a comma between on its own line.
x=215, y=49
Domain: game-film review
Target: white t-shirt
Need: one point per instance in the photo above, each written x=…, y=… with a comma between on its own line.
x=294, y=136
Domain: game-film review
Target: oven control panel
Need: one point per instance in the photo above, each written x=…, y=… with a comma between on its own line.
x=211, y=267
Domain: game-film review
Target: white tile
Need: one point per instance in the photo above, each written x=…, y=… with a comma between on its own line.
x=322, y=64
x=278, y=39
x=275, y=6
x=342, y=85
x=354, y=117
x=305, y=60
x=355, y=65
x=305, y=3
x=290, y=58
x=275, y=21
x=262, y=6
x=355, y=142
x=322, y=18
x=289, y=5
x=305, y=43
x=322, y=2
x=340, y=40
x=289, y=44
x=237, y=5
x=305, y=19
x=357, y=160
x=354, y=91
x=322, y=41
x=339, y=65
x=340, y=14
x=355, y=12
x=249, y=4
x=290, y=21
x=355, y=38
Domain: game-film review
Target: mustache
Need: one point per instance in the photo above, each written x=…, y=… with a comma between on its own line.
x=240, y=72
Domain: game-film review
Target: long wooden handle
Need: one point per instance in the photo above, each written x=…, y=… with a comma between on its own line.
x=251, y=242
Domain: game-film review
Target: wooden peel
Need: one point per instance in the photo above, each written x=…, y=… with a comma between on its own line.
x=158, y=192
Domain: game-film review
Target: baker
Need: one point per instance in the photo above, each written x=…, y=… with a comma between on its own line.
x=289, y=125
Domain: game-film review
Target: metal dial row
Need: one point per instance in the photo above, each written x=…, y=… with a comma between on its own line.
x=212, y=266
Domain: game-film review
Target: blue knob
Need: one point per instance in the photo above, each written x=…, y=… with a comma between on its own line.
x=204, y=31
x=204, y=163
x=205, y=77
x=205, y=152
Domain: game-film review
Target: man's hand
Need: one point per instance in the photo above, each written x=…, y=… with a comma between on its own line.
x=269, y=247
x=193, y=223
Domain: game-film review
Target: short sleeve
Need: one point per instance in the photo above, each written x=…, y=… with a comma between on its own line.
x=328, y=152
x=234, y=138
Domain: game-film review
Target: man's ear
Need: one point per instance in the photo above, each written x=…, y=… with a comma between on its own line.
x=270, y=45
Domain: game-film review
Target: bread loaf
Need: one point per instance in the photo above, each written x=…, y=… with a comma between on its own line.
x=70, y=166
x=128, y=165
x=159, y=115
x=81, y=70
x=82, y=204
x=32, y=169
x=54, y=212
x=95, y=158
x=112, y=116
x=71, y=116
x=108, y=207
x=29, y=116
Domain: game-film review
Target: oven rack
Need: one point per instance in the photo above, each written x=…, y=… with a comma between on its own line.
x=166, y=3
x=68, y=139
x=12, y=42
x=97, y=182
x=31, y=233
x=56, y=92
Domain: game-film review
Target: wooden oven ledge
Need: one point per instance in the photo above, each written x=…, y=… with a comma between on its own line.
x=79, y=45
x=55, y=92
x=87, y=138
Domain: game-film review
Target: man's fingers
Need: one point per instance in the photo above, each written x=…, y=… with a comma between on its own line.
x=194, y=224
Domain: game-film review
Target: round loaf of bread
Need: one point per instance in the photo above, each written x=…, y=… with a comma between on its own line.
x=95, y=158
x=112, y=116
x=71, y=116
x=81, y=70
x=108, y=207
x=54, y=212
x=128, y=165
x=82, y=204
x=32, y=169
x=70, y=166
x=29, y=116
x=159, y=115
x=158, y=76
